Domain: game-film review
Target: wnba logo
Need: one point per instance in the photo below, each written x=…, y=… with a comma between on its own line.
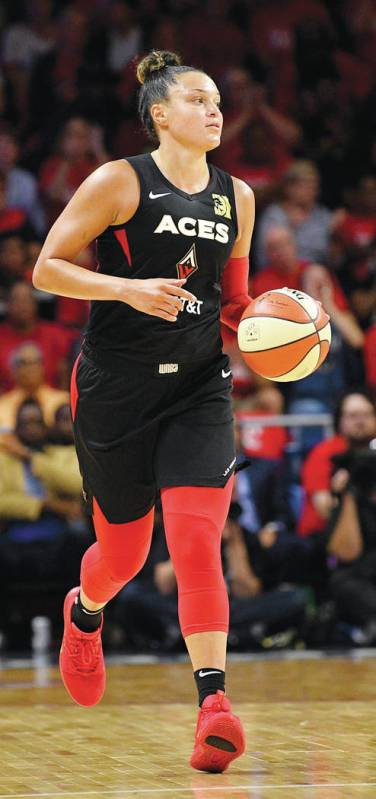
x=188, y=263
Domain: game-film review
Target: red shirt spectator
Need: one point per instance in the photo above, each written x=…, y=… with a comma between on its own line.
x=272, y=39
x=271, y=278
x=256, y=140
x=81, y=151
x=23, y=326
x=357, y=230
x=262, y=442
x=287, y=270
x=316, y=476
x=370, y=357
x=356, y=427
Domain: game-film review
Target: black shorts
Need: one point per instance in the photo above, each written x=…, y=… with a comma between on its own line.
x=142, y=427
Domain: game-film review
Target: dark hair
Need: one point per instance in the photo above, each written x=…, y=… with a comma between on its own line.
x=156, y=72
x=25, y=404
x=367, y=395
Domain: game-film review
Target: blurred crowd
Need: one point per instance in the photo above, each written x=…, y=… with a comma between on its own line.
x=298, y=85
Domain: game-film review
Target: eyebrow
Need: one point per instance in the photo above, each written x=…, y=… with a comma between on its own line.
x=204, y=91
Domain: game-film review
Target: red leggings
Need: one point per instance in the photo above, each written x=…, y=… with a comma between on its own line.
x=194, y=518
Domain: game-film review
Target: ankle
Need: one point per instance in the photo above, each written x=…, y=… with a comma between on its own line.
x=88, y=621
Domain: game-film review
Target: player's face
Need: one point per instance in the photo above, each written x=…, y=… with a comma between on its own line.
x=192, y=113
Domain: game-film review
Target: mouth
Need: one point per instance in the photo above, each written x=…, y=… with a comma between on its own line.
x=214, y=125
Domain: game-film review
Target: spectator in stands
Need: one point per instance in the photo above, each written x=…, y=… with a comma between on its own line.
x=260, y=604
x=352, y=539
x=299, y=210
x=22, y=326
x=257, y=140
x=355, y=426
x=272, y=38
x=354, y=240
x=23, y=42
x=81, y=150
x=357, y=228
x=21, y=185
x=34, y=477
x=256, y=441
x=360, y=16
x=259, y=164
x=226, y=45
x=65, y=78
x=124, y=36
x=13, y=264
x=370, y=358
x=13, y=221
x=28, y=375
x=286, y=269
x=43, y=530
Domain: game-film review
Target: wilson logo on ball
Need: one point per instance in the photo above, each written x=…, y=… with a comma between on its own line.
x=252, y=332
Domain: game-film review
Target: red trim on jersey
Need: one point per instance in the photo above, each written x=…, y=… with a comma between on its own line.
x=122, y=238
x=235, y=298
x=73, y=388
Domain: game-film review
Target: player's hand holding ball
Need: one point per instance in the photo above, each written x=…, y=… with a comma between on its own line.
x=284, y=335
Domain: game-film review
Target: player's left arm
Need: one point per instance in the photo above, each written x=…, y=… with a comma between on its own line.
x=234, y=283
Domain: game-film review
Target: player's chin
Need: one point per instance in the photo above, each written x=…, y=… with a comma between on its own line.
x=213, y=140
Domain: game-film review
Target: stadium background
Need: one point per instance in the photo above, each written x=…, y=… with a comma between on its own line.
x=298, y=86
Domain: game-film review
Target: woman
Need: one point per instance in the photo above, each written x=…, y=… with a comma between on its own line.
x=299, y=210
x=151, y=389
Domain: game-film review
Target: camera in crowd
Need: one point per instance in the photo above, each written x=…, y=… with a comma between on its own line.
x=361, y=465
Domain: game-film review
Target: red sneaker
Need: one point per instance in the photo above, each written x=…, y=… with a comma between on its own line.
x=81, y=659
x=219, y=737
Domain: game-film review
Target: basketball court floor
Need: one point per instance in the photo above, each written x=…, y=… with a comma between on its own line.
x=310, y=722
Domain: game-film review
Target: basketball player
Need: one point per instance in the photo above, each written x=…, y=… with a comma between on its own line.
x=151, y=389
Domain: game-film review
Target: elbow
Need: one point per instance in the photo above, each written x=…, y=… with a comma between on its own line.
x=36, y=278
x=360, y=339
x=356, y=341
x=40, y=277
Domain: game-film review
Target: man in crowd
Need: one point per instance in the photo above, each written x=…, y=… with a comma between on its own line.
x=28, y=373
x=355, y=423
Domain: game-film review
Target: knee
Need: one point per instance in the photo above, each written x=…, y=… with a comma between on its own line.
x=193, y=540
x=123, y=566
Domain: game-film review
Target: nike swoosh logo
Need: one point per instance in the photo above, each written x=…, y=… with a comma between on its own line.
x=206, y=673
x=155, y=196
x=226, y=374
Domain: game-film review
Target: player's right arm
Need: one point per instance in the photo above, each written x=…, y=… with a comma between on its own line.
x=109, y=196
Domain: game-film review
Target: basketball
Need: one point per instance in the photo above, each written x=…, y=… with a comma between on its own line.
x=284, y=335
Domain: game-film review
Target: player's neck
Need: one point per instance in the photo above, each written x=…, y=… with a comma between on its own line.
x=187, y=170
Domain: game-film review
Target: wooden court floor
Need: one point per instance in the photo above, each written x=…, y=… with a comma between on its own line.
x=311, y=727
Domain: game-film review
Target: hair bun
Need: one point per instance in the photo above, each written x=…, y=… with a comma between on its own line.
x=154, y=62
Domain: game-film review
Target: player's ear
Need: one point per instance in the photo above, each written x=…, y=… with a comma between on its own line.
x=158, y=113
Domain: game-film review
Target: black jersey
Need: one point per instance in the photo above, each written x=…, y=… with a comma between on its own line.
x=172, y=234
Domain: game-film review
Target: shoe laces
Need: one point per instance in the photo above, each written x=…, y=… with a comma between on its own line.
x=84, y=653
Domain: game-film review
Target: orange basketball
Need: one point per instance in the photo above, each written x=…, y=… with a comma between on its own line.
x=284, y=335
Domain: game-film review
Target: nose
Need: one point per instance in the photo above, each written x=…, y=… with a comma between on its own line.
x=213, y=110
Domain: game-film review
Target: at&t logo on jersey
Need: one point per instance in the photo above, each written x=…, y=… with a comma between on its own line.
x=188, y=226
